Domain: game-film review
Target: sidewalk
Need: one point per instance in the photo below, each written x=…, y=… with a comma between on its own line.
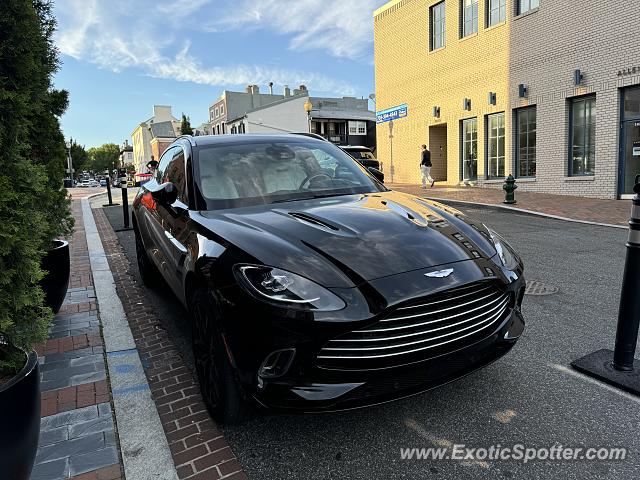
x=78, y=433
x=609, y=212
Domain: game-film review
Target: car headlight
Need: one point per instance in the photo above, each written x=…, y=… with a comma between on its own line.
x=287, y=289
x=507, y=254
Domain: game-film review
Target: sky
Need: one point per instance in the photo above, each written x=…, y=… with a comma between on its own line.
x=121, y=57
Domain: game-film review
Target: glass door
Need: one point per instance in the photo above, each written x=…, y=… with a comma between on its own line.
x=630, y=140
x=469, y=149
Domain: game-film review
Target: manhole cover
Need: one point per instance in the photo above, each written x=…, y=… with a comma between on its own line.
x=538, y=288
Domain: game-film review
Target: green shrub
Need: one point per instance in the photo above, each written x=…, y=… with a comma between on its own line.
x=34, y=209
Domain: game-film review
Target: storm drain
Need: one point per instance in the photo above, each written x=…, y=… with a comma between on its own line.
x=539, y=289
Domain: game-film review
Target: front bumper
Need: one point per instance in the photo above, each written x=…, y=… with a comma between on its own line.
x=334, y=391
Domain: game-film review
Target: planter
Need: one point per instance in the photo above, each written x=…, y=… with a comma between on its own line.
x=20, y=421
x=56, y=282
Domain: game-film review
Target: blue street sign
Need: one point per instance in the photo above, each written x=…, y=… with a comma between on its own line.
x=393, y=113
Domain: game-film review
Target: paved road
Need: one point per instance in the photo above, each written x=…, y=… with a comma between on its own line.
x=529, y=396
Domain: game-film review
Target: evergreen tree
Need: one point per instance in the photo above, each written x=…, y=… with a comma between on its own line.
x=34, y=209
x=185, y=127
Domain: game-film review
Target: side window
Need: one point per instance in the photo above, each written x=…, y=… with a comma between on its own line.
x=175, y=173
x=164, y=162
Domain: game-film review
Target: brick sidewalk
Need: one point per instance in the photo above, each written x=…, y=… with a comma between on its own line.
x=614, y=212
x=198, y=448
x=78, y=432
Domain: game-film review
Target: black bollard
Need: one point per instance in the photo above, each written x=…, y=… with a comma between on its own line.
x=122, y=174
x=110, y=204
x=619, y=368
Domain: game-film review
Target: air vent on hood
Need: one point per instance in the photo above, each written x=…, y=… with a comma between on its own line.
x=305, y=217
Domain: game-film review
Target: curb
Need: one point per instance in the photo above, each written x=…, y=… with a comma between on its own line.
x=524, y=211
x=145, y=450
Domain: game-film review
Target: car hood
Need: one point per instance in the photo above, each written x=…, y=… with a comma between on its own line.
x=346, y=240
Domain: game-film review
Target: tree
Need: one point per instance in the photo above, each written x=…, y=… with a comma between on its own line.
x=185, y=126
x=103, y=157
x=79, y=157
x=34, y=209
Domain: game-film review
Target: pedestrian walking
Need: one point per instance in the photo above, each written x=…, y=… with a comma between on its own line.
x=425, y=167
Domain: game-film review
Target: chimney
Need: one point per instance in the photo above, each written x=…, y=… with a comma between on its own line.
x=249, y=89
x=126, y=143
x=303, y=88
x=270, y=88
x=287, y=91
x=255, y=89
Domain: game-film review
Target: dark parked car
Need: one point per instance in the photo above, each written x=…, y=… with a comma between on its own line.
x=313, y=287
x=364, y=155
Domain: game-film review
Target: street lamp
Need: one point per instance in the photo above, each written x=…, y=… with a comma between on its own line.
x=308, y=106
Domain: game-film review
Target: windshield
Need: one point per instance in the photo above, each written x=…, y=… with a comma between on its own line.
x=265, y=172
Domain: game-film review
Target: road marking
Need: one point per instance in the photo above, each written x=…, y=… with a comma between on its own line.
x=442, y=442
x=604, y=386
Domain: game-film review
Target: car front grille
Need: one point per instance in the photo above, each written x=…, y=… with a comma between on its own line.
x=423, y=329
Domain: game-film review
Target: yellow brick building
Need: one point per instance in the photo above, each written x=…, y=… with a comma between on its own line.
x=428, y=56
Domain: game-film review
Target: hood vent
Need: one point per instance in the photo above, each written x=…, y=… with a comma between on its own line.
x=305, y=217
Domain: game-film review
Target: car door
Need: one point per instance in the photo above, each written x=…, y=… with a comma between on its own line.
x=174, y=220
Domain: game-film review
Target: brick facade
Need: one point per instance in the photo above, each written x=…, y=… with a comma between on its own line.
x=540, y=49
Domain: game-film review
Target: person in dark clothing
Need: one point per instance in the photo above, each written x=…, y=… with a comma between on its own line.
x=425, y=167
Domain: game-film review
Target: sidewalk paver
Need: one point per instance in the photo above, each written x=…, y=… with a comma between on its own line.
x=77, y=434
x=613, y=212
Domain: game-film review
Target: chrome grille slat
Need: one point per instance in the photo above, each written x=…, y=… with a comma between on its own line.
x=421, y=305
x=435, y=312
x=388, y=347
x=498, y=306
x=438, y=320
x=432, y=326
x=404, y=352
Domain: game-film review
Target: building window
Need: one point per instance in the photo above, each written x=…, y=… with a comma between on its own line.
x=357, y=128
x=495, y=145
x=526, y=142
x=526, y=5
x=217, y=112
x=469, y=154
x=582, y=140
x=438, y=28
x=222, y=109
x=469, y=17
x=496, y=12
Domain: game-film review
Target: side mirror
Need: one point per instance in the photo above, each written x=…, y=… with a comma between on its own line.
x=166, y=194
x=376, y=173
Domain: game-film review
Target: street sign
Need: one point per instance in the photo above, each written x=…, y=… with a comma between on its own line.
x=393, y=113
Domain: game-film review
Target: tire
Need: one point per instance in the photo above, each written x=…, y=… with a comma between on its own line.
x=219, y=383
x=148, y=271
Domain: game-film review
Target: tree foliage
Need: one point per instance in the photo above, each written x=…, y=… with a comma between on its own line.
x=79, y=157
x=185, y=126
x=34, y=209
x=103, y=157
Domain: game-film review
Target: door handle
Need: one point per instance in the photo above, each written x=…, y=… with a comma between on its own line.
x=175, y=242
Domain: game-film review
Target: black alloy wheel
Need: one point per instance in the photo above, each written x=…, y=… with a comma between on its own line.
x=219, y=384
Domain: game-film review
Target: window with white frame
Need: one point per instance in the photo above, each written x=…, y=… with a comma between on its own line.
x=357, y=128
x=495, y=146
x=217, y=112
x=496, y=12
x=222, y=109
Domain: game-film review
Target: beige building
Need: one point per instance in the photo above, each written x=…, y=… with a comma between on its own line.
x=539, y=89
x=151, y=136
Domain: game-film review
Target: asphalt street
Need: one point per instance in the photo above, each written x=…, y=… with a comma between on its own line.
x=529, y=397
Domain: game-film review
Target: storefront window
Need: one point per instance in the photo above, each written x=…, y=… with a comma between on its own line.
x=583, y=136
x=526, y=142
x=469, y=149
x=495, y=145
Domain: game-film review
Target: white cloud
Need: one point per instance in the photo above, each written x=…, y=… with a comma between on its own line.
x=341, y=28
x=123, y=34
